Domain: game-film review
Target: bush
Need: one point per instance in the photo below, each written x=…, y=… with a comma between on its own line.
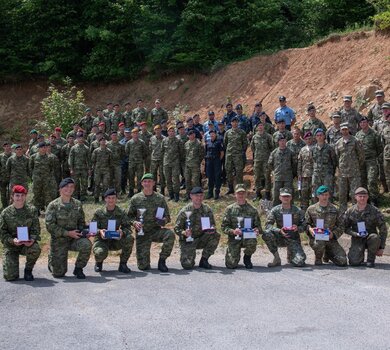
x=382, y=20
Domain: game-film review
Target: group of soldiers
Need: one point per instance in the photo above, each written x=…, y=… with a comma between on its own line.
x=113, y=150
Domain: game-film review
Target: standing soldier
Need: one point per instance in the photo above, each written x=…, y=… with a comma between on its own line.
x=173, y=153
x=229, y=115
x=235, y=143
x=56, y=169
x=117, y=154
x=363, y=221
x=80, y=166
x=183, y=137
x=214, y=154
x=42, y=174
x=262, y=145
x=158, y=113
x=333, y=134
x=145, y=136
x=4, y=179
x=128, y=116
x=140, y=114
x=156, y=165
x=373, y=149
x=13, y=218
x=281, y=162
x=33, y=141
x=350, y=115
x=116, y=117
x=305, y=171
x=193, y=158
x=375, y=113
x=281, y=131
x=125, y=162
x=295, y=145
x=65, y=151
x=150, y=228
x=34, y=149
x=386, y=142
x=17, y=168
x=109, y=109
x=60, y=141
x=350, y=155
x=290, y=222
x=65, y=221
x=193, y=234
x=235, y=230
x=285, y=113
x=325, y=216
x=313, y=123
x=86, y=122
x=102, y=245
x=101, y=163
x=54, y=150
x=137, y=151
x=101, y=118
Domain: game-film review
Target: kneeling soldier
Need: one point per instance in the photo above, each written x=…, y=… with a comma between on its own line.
x=363, y=221
x=195, y=226
x=14, y=219
x=290, y=221
x=102, y=243
x=241, y=222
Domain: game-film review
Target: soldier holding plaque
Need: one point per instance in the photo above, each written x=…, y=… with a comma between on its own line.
x=149, y=213
x=19, y=233
x=113, y=232
x=324, y=228
x=366, y=224
x=241, y=222
x=195, y=226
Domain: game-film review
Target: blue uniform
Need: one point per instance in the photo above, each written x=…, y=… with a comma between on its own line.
x=213, y=150
x=285, y=113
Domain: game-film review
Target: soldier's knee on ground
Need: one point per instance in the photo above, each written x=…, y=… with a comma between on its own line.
x=298, y=259
x=340, y=260
x=231, y=262
x=187, y=263
x=100, y=253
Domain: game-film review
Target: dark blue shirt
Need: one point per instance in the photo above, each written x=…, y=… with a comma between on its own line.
x=227, y=119
x=213, y=149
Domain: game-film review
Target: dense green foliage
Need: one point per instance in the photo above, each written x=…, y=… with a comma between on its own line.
x=110, y=40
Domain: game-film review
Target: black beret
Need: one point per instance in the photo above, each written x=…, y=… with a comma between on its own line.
x=196, y=190
x=66, y=181
x=110, y=192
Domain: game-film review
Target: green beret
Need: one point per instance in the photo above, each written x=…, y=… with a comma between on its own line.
x=147, y=176
x=322, y=189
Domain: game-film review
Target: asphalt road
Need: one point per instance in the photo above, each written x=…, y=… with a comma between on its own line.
x=284, y=308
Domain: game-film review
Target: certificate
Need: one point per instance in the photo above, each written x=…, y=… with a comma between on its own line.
x=22, y=233
x=111, y=225
x=93, y=227
x=248, y=233
x=320, y=223
x=247, y=222
x=160, y=213
x=287, y=220
x=205, y=222
x=362, y=228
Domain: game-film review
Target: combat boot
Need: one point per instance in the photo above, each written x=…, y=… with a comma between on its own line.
x=96, y=200
x=267, y=195
x=258, y=195
x=248, y=262
x=78, y=272
x=216, y=195
x=163, y=191
x=162, y=266
x=123, y=268
x=230, y=190
x=98, y=267
x=209, y=194
x=176, y=196
x=171, y=196
x=131, y=193
x=276, y=261
x=28, y=276
x=205, y=263
x=318, y=260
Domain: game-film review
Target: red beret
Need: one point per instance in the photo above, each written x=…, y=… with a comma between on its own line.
x=58, y=129
x=121, y=124
x=141, y=123
x=19, y=189
x=102, y=124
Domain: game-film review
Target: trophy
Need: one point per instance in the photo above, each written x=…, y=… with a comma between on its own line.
x=239, y=221
x=188, y=225
x=141, y=220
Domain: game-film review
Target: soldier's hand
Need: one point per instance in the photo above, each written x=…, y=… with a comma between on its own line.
x=284, y=233
x=29, y=243
x=74, y=234
x=294, y=228
x=71, y=172
x=102, y=234
x=188, y=232
x=379, y=252
x=120, y=233
x=256, y=230
x=330, y=234
x=137, y=225
x=237, y=232
x=311, y=231
x=16, y=242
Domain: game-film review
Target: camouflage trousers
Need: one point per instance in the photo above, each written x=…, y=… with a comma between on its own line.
x=42, y=189
x=306, y=192
x=359, y=245
x=234, y=163
x=192, y=176
x=332, y=248
x=347, y=184
x=135, y=170
x=156, y=169
x=208, y=242
x=369, y=173
x=58, y=258
x=233, y=251
x=386, y=169
x=276, y=190
x=5, y=193
x=322, y=179
x=102, y=181
x=80, y=178
x=116, y=178
x=262, y=175
x=147, y=163
x=172, y=177
x=11, y=259
x=295, y=252
x=101, y=248
x=143, y=244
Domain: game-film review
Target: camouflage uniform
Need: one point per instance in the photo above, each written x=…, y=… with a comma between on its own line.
x=295, y=148
x=61, y=218
x=140, y=114
x=65, y=151
x=153, y=232
x=202, y=240
x=332, y=221
x=101, y=246
x=375, y=113
x=312, y=125
x=229, y=224
x=373, y=149
x=80, y=163
x=86, y=124
x=352, y=117
x=274, y=238
x=18, y=171
x=386, y=154
x=374, y=221
x=128, y=119
x=136, y=151
x=4, y=179
x=194, y=154
x=55, y=150
x=146, y=136
x=117, y=154
x=286, y=133
x=350, y=160
x=173, y=153
x=305, y=174
x=156, y=165
x=333, y=134
x=262, y=145
x=101, y=162
x=158, y=114
x=282, y=163
x=115, y=119
x=10, y=219
x=105, y=120
x=55, y=176
x=235, y=143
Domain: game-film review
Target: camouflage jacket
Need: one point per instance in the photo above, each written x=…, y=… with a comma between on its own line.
x=18, y=169
x=158, y=114
x=194, y=153
x=282, y=163
x=333, y=135
x=235, y=142
x=117, y=152
x=137, y=151
x=3, y=167
x=372, y=144
x=305, y=162
x=312, y=125
x=101, y=159
x=140, y=115
x=275, y=218
x=350, y=156
x=324, y=159
x=115, y=119
x=79, y=158
x=352, y=117
x=155, y=147
x=172, y=151
x=262, y=145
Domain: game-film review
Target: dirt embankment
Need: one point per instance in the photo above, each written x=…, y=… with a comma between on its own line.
x=355, y=64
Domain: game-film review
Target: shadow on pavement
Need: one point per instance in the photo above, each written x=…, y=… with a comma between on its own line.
x=37, y=283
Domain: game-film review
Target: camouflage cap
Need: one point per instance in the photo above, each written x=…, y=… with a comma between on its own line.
x=379, y=93
x=16, y=146
x=363, y=119
x=336, y=115
x=157, y=101
x=239, y=188
x=191, y=132
x=322, y=189
x=239, y=106
x=88, y=109
x=235, y=119
x=344, y=126
x=347, y=98
x=386, y=105
x=147, y=176
x=310, y=107
x=285, y=192
x=361, y=190
x=210, y=113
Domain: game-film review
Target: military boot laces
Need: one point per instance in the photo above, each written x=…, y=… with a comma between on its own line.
x=78, y=272
x=28, y=276
x=98, y=267
x=248, y=262
x=205, y=264
x=276, y=261
x=123, y=268
x=162, y=265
